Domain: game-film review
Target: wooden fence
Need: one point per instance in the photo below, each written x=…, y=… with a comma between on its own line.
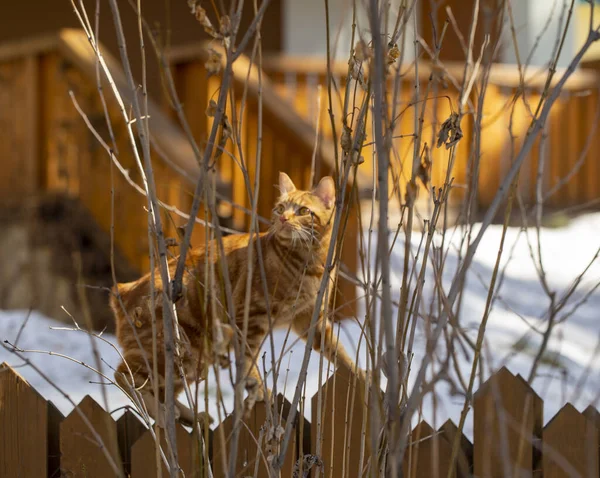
x=509, y=438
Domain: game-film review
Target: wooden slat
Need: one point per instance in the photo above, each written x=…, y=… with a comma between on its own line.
x=570, y=445
x=340, y=428
x=592, y=414
x=25, y=448
x=429, y=452
x=250, y=436
x=19, y=134
x=507, y=419
x=587, y=105
x=129, y=429
x=591, y=168
x=577, y=133
x=55, y=417
x=555, y=145
x=465, y=454
x=81, y=454
x=143, y=453
x=31, y=107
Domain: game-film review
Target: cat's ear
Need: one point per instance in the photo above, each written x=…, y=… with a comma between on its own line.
x=286, y=186
x=325, y=191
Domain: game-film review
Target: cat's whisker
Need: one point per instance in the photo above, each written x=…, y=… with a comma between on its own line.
x=311, y=236
x=305, y=237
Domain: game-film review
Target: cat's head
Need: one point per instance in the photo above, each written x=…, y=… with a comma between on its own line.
x=303, y=215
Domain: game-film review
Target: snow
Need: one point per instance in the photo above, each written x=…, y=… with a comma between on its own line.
x=509, y=339
x=72, y=378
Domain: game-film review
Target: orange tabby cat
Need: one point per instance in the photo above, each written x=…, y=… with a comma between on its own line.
x=293, y=254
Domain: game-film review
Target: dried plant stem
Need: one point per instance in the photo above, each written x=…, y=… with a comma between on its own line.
x=383, y=162
x=456, y=287
x=480, y=337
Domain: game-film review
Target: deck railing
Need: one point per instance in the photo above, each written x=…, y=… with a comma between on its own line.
x=570, y=175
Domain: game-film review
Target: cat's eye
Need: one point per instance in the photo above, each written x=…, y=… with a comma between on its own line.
x=303, y=211
x=279, y=209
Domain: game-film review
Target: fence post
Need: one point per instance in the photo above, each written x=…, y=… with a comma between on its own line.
x=570, y=445
x=28, y=430
x=254, y=432
x=81, y=454
x=507, y=427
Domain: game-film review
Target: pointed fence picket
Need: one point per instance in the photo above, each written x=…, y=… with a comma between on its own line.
x=28, y=429
x=86, y=445
x=430, y=452
x=257, y=442
x=339, y=424
x=507, y=427
x=189, y=454
x=570, y=442
x=129, y=429
x=36, y=441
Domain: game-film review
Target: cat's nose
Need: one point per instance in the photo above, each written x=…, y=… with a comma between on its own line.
x=283, y=219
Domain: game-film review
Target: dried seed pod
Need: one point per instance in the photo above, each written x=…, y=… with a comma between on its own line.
x=357, y=159
x=450, y=132
x=393, y=53
x=346, y=138
x=411, y=193
x=213, y=64
x=211, y=110
x=424, y=170
x=225, y=26
x=362, y=52
x=202, y=18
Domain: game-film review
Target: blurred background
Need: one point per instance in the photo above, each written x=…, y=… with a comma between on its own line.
x=71, y=217
x=55, y=184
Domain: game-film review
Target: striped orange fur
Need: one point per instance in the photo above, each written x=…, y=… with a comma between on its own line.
x=292, y=256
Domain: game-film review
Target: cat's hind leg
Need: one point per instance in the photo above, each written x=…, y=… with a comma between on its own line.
x=254, y=384
x=326, y=342
x=135, y=381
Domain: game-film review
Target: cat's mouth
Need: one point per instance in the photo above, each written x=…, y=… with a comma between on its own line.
x=286, y=228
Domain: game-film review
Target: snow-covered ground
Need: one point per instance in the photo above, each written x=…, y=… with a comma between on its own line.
x=509, y=339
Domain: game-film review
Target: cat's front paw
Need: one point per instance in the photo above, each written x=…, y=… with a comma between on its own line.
x=262, y=395
x=256, y=390
x=204, y=419
x=365, y=375
x=161, y=416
